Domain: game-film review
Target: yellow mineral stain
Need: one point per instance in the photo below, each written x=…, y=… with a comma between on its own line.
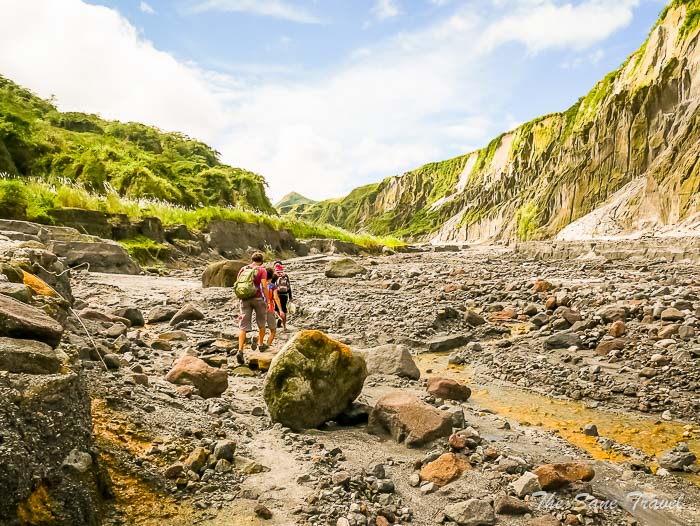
x=568, y=417
x=109, y=426
x=37, y=510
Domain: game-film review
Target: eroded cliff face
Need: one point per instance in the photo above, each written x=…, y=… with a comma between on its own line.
x=622, y=160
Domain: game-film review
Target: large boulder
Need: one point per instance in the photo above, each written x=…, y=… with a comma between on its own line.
x=222, y=273
x=101, y=255
x=312, y=380
x=344, y=268
x=28, y=356
x=18, y=320
x=408, y=419
x=678, y=458
x=390, y=359
x=190, y=370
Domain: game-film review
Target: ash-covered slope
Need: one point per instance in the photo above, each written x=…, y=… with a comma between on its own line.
x=627, y=153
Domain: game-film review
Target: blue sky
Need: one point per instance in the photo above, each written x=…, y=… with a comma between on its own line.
x=321, y=96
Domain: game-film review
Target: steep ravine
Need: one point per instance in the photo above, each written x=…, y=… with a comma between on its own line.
x=626, y=152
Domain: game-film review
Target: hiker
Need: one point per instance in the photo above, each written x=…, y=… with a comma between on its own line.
x=249, y=287
x=284, y=291
x=273, y=305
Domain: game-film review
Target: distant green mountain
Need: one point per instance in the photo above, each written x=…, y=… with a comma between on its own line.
x=36, y=140
x=292, y=202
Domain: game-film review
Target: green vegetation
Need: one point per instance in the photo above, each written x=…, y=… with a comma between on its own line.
x=144, y=250
x=13, y=200
x=41, y=197
x=131, y=159
x=692, y=17
x=527, y=221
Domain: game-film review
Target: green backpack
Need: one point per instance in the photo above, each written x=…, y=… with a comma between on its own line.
x=245, y=285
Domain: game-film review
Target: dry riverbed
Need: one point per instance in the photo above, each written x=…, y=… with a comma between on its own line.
x=530, y=401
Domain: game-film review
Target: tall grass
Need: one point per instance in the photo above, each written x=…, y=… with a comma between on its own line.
x=43, y=196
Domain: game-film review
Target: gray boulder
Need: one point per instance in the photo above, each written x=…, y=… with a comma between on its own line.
x=28, y=356
x=312, y=380
x=187, y=313
x=344, y=268
x=562, y=340
x=162, y=313
x=390, y=359
x=678, y=458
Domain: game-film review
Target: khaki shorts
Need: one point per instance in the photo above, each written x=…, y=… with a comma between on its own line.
x=271, y=320
x=249, y=306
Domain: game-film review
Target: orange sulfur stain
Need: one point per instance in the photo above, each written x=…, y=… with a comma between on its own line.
x=568, y=417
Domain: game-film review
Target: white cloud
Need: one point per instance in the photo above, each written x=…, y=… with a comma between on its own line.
x=94, y=60
x=387, y=108
x=541, y=24
x=146, y=8
x=272, y=8
x=384, y=9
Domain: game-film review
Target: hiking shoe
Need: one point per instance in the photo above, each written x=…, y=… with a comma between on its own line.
x=240, y=358
x=264, y=347
x=254, y=342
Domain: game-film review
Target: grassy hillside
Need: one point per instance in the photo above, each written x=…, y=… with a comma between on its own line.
x=134, y=160
x=292, y=201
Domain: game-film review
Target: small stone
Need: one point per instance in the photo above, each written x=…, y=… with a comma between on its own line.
x=508, y=505
x=472, y=512
x=590, y=430
x=262, y=512
x=617, y=329
x=527, y=484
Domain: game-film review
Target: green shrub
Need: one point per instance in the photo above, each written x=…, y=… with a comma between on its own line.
x=13, y=199
x=145, y=250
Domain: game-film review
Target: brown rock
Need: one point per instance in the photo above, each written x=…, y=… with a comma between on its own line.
x=260, y=361
x=446, y=468
x=408, y=419
x=189, y=370
x=508, y=505
x=544, y=520
x=18, y=320
x=382, y=521
x=553, y=476
x=542, y=285
x=550, y=303
x=617, y=329
x=263, y=512
x=197, y=459
x=669, y=331
x=606, y=346
x=448, y=389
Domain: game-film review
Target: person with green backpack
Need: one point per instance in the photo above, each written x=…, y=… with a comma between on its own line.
x=249, y=287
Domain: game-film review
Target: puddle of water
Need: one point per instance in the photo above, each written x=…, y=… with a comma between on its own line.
x=568, y=417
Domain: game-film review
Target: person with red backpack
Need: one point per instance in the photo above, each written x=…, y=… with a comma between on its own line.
x=249, y=287
x=284, y=291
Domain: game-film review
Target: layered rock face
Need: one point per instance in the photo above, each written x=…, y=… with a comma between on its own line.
x=622, y=160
